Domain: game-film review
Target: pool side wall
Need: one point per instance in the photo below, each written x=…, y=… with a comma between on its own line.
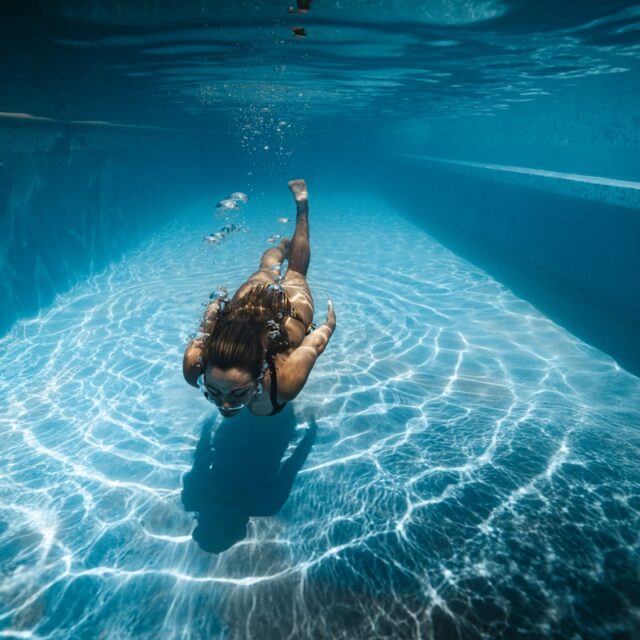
x=73, y=200
x=574, y=258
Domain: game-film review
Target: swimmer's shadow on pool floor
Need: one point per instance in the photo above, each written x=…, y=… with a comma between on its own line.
x=239, y=472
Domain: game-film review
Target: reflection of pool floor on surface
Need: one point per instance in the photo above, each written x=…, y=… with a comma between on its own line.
x=475, y=466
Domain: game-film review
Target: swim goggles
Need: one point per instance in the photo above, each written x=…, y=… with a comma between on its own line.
x=203, y=388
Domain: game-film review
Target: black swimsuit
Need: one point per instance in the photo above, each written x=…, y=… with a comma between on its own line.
x=273, y=394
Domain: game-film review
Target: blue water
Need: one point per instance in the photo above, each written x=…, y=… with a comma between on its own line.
x=474, y=466
x=463, y=460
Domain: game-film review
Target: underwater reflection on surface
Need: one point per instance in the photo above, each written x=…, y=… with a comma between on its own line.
x=241, y=470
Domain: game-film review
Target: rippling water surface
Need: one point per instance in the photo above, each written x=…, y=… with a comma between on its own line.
x=182, y=65
x=474, y=471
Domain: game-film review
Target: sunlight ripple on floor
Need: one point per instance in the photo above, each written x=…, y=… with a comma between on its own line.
x=468, y=449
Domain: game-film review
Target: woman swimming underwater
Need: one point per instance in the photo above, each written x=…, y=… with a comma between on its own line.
x=257, y=349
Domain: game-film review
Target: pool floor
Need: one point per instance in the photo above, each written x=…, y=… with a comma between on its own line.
x=474, y=474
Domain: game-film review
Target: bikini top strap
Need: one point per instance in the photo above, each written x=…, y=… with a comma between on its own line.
x=273, y=392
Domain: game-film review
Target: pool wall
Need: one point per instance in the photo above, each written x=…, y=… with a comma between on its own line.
x=74, y=199
x=544, y=195
x=573, y=255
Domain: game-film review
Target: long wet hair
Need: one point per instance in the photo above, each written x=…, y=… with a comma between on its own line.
x=249, y=333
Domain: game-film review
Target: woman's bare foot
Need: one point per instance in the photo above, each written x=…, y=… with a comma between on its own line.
x=299, y=190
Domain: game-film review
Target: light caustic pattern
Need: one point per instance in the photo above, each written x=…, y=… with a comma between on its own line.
x=475, y=470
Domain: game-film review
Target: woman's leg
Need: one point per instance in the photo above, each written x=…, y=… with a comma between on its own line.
x=299, y=251
x=272, y=259
x=295, y=279
x=269, y=270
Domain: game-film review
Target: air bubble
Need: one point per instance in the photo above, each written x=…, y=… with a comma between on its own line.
x=228, y=204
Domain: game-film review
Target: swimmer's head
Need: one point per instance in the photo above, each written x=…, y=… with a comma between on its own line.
x=229, y=389
x=235, y=356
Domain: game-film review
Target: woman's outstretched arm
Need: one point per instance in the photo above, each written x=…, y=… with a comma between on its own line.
x=298, y=364
x=193, y=360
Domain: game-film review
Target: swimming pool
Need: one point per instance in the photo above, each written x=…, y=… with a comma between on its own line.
x=462, y=463
x=473, y=472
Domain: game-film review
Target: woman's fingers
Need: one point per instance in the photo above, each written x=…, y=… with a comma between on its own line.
x=331, y=314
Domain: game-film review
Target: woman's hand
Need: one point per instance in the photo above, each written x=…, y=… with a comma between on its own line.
x=331, y=316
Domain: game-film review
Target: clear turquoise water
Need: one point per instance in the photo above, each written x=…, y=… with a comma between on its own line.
x=458, y=465
x=474, y=472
